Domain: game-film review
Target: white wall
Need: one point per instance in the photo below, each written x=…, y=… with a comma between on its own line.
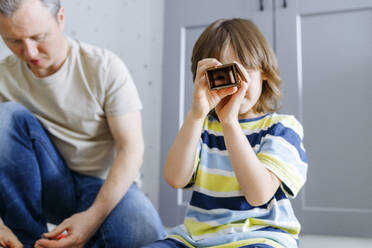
x=133, y=29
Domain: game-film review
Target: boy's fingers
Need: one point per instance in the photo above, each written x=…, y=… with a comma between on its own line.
x=237, y=98
x=208, y=61
x=242, y=90
x=205, y=64
x=222, y=93
x=244, y=71
x=244, y=87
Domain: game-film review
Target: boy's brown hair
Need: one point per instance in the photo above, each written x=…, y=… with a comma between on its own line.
x=252, y=50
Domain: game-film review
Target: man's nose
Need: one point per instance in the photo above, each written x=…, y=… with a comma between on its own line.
x=30, y=49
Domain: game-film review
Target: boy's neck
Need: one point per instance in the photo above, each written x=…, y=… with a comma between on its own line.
x=250, y=115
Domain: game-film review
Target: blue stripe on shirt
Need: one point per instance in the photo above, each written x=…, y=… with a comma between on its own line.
x=204, y=201
x=278, y=129
x=257, y=246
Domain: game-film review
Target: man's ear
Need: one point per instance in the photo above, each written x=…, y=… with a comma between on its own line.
x=61, y=18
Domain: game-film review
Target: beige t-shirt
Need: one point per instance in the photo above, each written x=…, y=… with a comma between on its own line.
x=73, y=103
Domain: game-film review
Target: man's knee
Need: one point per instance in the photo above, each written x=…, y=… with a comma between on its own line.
x=9, y=112
x=12, y=116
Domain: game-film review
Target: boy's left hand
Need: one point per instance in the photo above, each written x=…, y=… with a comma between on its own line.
x=228, y=108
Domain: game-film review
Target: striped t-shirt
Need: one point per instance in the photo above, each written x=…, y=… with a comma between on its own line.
x=218, y=214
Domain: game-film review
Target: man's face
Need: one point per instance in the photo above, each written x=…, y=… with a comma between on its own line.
x=36, y=37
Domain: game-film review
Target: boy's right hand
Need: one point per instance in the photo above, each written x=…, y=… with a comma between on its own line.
x=205, y=100
x=8, y=239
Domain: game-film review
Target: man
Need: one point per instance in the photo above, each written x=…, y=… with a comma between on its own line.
x=69, y=118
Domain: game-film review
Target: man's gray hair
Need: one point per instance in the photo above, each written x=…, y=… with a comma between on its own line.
x=9, y=7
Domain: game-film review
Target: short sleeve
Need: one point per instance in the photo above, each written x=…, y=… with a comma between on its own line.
x=282, y=152
x=121, y=95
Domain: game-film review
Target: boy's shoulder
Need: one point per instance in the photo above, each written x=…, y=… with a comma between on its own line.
x=282, y=118
x=268, y=121
x=272, y=122
x=285, y=121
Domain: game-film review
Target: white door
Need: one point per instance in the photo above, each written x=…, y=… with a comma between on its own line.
x=325, y=57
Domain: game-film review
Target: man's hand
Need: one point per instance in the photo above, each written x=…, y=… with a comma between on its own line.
x=80, y=228
x=8, y=239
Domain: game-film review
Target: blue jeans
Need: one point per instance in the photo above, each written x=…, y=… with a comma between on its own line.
x=36, y=187
x=170, y=243
x=166, y=243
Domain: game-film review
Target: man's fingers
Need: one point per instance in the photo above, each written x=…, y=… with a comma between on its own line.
x=43, y=243
x=46, y=243
x=12, y=243
x=18, y=245
x=55, y=232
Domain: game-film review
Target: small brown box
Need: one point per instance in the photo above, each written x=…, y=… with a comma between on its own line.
x=224, y=76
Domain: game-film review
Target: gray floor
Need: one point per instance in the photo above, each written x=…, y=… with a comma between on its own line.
x=315, y=241
x=318, y=241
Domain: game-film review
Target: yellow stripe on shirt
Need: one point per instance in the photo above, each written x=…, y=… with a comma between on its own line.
x=283, y=171
x=197, y=228
x=291, y=227
x=215, y=182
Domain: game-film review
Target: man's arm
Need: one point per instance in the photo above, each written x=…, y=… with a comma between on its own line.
x=127, y=133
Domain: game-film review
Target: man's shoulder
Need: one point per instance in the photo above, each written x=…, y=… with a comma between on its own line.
x=89, y=49
x=93, y=54
x=97, y=63
x=10, y=67
x=8, y=62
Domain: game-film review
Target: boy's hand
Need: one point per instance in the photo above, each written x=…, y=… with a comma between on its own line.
x=8, y=239
x=205, y=100
x=228, y=109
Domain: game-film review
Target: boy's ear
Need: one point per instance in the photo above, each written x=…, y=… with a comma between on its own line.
x=263, y=76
